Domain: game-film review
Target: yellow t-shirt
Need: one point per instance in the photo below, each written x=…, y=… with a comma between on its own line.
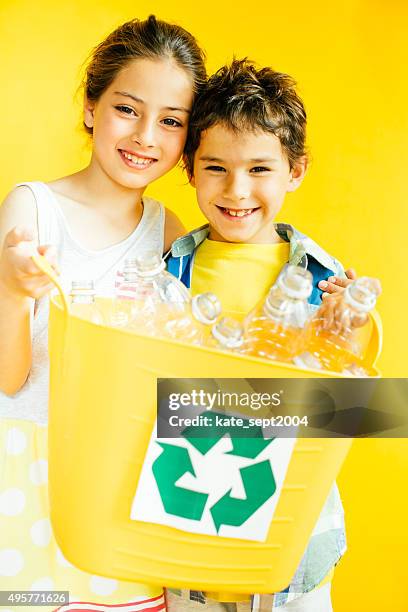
x=240, y=275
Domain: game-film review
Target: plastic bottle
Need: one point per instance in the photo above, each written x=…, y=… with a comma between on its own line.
x=125, y=307
x=331, y=341
x=148, y=296
x=193, y=326
x=83, y=303
x=273, y=330
x=227, y=335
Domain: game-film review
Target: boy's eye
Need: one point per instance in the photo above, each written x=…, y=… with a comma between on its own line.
x=172, y=122
x=215, y=168
x=256, y=169
x=127, y=110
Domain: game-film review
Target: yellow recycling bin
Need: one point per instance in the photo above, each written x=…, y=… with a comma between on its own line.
x=102, y=414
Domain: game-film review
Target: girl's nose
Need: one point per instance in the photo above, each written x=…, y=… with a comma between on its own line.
x=145, y=134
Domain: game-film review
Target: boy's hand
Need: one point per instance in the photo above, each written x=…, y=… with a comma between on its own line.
x=336, y=315
x=336, y=284
x=19, y=276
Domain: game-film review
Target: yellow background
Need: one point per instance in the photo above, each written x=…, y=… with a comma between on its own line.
x=350, y=61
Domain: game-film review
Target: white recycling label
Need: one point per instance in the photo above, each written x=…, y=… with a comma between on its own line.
x=225, y=486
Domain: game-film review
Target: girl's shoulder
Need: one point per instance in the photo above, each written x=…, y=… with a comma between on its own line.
x=20, y=196
x=19, y=208
x=173, y=229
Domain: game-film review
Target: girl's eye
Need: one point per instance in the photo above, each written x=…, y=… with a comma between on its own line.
x=215, y=168
x=257, y=169
x=127, y=110
x=172, y=122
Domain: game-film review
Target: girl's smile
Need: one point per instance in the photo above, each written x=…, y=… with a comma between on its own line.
x=136, y=160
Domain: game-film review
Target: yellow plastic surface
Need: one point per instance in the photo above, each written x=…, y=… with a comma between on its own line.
x=102, y=411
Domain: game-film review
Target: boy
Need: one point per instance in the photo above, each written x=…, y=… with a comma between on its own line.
x=245, y=151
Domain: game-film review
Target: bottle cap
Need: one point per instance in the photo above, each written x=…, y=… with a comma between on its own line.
x=277, y=304
x=228, y=332
x=148, y=264
x=362, y=293
x=82, y=287
x=295, y=282
x=206, y=307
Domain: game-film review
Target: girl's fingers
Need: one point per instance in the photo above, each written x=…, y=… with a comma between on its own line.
x=21, y=260
x=18, y=234
x=39, y=289
x=26, y=267
x=50, y=252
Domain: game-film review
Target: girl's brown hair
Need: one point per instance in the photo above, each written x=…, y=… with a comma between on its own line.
x=148, y=39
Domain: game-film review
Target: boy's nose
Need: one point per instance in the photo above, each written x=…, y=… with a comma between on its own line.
x=236, y=189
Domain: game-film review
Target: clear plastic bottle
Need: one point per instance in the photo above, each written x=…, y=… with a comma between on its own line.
x=227, y=335
x=148, y=295
x=193, y=326
x=331, y=339
x=83, y=304
x=125, y=307
x=273, y=330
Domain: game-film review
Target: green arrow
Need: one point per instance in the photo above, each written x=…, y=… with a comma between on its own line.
x=204, y=438
x=169, y=466
x=259, y=484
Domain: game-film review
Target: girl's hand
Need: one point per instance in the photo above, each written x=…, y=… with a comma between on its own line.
x=19, y=276
x=336, y=284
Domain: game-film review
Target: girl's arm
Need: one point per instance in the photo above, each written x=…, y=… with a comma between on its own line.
x=20, y=283
x=173, y=229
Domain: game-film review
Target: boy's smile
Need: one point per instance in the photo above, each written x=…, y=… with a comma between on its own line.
x=241, y=180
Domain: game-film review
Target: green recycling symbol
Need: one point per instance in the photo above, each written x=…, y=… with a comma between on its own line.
x=258, y=479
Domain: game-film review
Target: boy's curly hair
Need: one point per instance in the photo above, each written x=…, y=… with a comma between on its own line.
x=241, y=97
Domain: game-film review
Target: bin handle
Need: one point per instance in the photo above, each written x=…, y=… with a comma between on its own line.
x=45, y=266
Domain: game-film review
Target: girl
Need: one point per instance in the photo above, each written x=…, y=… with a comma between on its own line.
x=139, y=88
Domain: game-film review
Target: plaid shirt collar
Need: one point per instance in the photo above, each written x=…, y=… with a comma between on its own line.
x=300, y=245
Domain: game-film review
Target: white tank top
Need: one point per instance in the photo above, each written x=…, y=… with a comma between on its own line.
x=76, y=263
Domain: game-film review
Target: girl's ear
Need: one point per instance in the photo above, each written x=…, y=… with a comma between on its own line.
x=89, y=108
x=192, y=181
x=297, y=173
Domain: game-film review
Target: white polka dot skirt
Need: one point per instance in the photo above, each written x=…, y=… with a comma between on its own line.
x=29, y=555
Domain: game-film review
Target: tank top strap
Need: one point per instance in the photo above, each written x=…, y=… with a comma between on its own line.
x=47, y=221
x=153, y=224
